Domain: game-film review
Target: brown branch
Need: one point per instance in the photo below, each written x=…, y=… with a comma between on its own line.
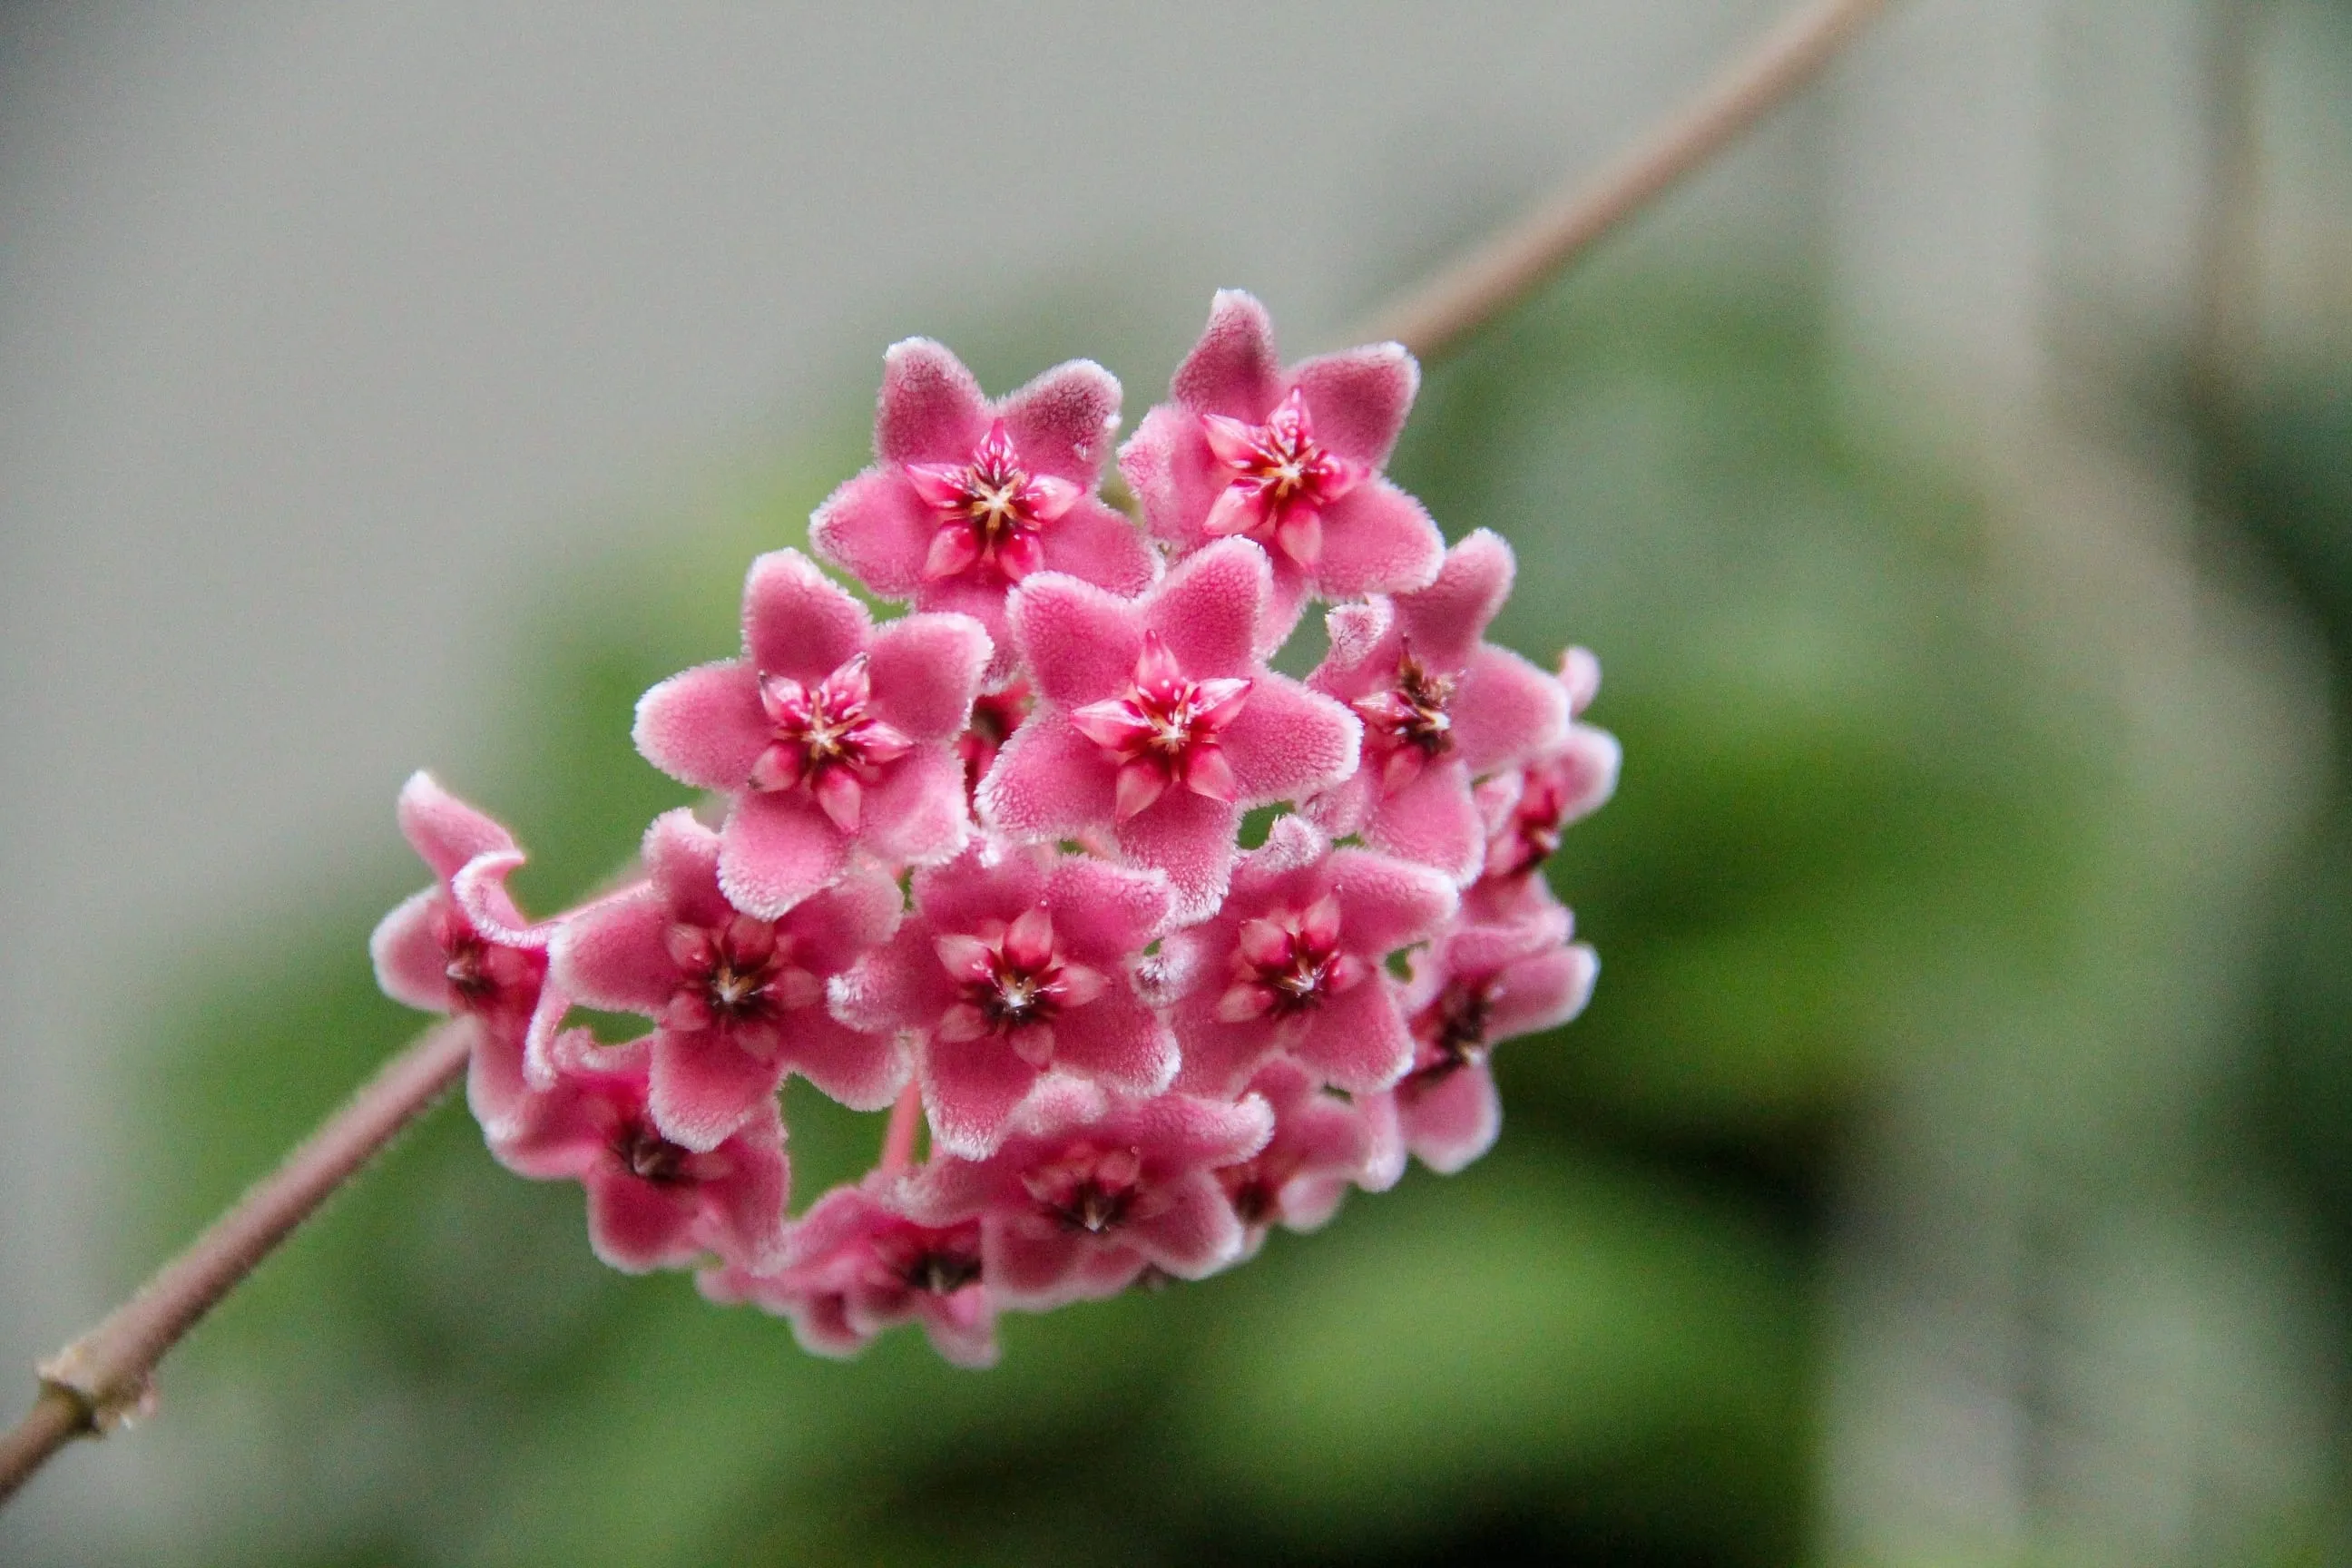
x=102, y=1378
x=1436, y=316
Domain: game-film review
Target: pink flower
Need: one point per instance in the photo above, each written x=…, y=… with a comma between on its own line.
x=1091, y=1188
x=652, y=1203
x=1016, y=960
x=972, y=497
x=1157, y=721
x=831, y=733
x=856, y=1266
x=738, y=1001
x=1321, y=1145
x=1525, y=810
x=1481, y=985
x=1439, y=707
x=1288, y=457
x=461, y=947
x=1295, y=964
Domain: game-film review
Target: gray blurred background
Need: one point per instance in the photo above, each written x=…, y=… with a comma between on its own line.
x=327, y=334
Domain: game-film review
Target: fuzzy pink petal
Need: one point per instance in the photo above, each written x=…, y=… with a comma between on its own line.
x=1117, y=1040
x=798, y=621
x=1048, y=782
x=443, y=829
x=1097, y=543
x=926, y=669
x=496, y=1090
x=1169, y=464
x=637, y=1226
x=615, y=954
x=1452, y=1121
x=1062, y=423
x=1389, y=902
x=1505, y=710
x=897, y=986
x=1207, y=609
x=704, y=726
x=1360, y=398
x=970, y=1091
x=931, y=409
x=918, y=811
x=1443, y=622
x=1543, y=991
x=1377, y=540
x=999, y=882
x=1040, y=1270
x=831, y=929
x=878, y=529
x=681, y=860
x=1287, y=743
x=1196, y=1233
x=1592, y=759
x=1078, y=642
x=1432, y=822
x=1190, y=837
x=409, y=963
x=743, y=1208
x=1347, y=806
x=1356, y=1040
x=1234, y=369
x=862, y=1071
x=1217, y=1058
x=1103, y=912
x=777, y=849
x=962, y=1328
x=705, y=1087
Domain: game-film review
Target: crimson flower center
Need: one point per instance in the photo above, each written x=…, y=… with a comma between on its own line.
x=1090, y=1189
x=650, y=1157
x=1168, y=728
x=991, y=509
x=1286, y=964
x=1013, y=980
x=1452, y=1029
x=824, y=737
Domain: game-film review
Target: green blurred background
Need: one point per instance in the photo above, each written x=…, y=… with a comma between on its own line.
x=1953, y=1166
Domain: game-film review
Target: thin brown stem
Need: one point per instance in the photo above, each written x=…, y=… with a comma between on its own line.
x=1436, y=316
x=103, y=1378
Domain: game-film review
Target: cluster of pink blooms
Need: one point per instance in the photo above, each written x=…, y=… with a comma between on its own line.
x=979, y=865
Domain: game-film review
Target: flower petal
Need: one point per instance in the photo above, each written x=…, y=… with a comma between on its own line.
x=1062, y=423
x=1234, y=369
x=705, y=1087
x=931, y=410
x=443, y=829
x=970, y=1091
x=878, y=530
x=1377, y=540
x=1078, y=642
x=1360, y=398
x=1449, y=1121
x=797, y=622
x=704, y=726
x=926, y=669
x=1356, y=1040
x=1208, y=608
x=1289, y=743
x=778, y=850
x=1505, y=710
x=1191, y=837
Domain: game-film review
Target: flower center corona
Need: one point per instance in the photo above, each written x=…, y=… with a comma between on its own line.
x=1014, y=981
x=1088, y=1188
x=992, y=510
x=822, y=739
x=736, y=978
x=1408, y=724
x=1451, y=1032
x=1283, y=478
x=1165, y=730
x=1283, y=964
x=650, y=1157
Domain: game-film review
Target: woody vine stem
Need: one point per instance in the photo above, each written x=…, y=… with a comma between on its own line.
x=102, y=1379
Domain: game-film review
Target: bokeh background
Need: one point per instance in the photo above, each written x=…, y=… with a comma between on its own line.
x=1955, y=1165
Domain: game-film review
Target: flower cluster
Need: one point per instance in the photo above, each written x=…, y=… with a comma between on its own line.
x=981, y=864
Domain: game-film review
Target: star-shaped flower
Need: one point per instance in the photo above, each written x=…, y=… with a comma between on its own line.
x=652, y=1203
x=1290, y=457
x=1480, y=985
x=1158, y=721
x=855, y=1266
x=1013, y=962
x=1090, y=1188
x=738, y=1001
x=1295, y=964
x=1440, y=708
x=832, y=734
x=972, y=497
x=461, y=947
